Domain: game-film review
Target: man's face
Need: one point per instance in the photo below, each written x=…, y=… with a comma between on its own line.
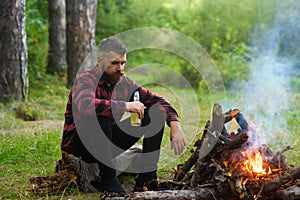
x=115, y=67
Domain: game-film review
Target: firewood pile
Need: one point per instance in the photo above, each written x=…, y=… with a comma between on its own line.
x=231, y=166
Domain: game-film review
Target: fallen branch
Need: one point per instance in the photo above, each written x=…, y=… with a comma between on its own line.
x=201, y=193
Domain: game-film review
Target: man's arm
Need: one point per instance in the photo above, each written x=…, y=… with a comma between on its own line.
x=149, y=98
x=176, y=134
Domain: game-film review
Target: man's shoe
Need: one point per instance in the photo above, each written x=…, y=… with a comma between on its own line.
x=112, y=185
x=152, y=185
x=148, y=182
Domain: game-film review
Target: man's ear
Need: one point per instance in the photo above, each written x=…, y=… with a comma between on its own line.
x=99, y=59
x=100, y=62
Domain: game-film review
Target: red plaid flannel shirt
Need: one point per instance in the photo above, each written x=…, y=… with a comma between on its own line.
x=91, y=95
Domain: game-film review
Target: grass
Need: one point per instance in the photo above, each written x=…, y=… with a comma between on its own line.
x=30, y=148
x=24, y=155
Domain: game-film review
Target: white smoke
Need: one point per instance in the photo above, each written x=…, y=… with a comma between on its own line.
x=265, y=97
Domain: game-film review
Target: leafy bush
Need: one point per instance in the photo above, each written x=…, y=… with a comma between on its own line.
x=26, y=111
x=37, y=37
x=231, y=57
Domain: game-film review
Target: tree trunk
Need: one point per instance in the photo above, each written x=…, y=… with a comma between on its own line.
x=81, y=22
x=13, y=48
x=57, y=37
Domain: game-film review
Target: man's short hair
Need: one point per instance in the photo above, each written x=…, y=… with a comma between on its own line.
x=112, y=44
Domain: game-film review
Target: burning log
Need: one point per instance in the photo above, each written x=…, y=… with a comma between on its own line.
x=210, y=131
x=278, y=159
x=235, y=143
x=247, y=187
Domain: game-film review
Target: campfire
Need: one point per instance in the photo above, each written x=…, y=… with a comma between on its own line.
x=255, y=165
x=252, y=162
x=236, y=166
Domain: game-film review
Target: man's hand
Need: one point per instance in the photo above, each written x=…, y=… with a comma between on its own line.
x=136, y=107
x=177, y=138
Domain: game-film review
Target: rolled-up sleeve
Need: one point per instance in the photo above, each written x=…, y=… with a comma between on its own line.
x=150, y=98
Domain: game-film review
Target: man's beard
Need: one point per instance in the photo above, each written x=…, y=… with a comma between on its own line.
x=113, y=78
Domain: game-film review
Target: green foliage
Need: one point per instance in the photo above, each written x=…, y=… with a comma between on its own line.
x=223, y=28
x=231, y=57
x=37, y=37
x=110, y=17
x=295, y=83
x=27, y=112
x=150, y=57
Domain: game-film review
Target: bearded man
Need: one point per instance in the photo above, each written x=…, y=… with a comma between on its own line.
x=94, y=131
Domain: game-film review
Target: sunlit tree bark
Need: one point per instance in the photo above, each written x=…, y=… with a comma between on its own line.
x=81, y=22
x=57, y=36
x=13, y=51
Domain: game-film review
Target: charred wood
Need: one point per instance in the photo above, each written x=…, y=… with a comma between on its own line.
x=182, y=169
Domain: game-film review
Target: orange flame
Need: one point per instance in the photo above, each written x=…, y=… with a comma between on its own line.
x=254, y=163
